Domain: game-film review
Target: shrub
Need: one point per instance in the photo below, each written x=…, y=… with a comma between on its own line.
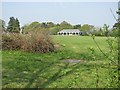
x=39, y=42
x=11, y=41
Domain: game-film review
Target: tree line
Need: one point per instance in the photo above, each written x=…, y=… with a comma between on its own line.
x=52, y=28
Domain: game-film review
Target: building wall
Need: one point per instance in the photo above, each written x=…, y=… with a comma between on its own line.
x=73, y=33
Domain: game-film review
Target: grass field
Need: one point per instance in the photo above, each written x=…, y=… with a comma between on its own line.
x=28, y=70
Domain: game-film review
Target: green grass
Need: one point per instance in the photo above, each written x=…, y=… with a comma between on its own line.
x=80, y=44
x=29, y=70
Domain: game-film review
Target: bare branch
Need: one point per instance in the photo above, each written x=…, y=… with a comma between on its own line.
x=113, y=15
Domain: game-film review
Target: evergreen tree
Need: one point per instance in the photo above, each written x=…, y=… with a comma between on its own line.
x=10, y=27
x=13, y=25
x=17, y=26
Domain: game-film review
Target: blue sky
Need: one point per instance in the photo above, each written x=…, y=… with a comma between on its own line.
x=93, y=13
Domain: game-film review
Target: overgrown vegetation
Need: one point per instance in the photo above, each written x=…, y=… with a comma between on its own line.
x=12, y=41
x=35, y=42
x=38, y=43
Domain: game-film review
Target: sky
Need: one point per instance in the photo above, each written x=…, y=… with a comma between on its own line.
x=93, y=13
x=59, y=0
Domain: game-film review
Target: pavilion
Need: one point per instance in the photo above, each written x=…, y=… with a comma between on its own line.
x=70, y=32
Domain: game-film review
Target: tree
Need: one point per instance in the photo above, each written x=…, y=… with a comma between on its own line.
x=17, y=25
x=116, y=26
x=50, y=24
x=77, y=26
x=13, y=25
x=33, y=25
x=43, y=25
x=65, y=25
x=10, y=27
x=86, y=29
x=54, y=30
x=97, y=31
x=2, y=25
x=106, y=31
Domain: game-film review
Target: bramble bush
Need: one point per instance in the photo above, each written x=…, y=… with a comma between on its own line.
x=37, y=42
x=11, y=41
